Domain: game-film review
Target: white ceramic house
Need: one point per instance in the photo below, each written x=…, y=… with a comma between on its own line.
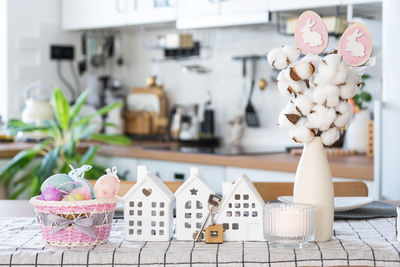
x=191, y=205
x=242, y=212
x=148, y=209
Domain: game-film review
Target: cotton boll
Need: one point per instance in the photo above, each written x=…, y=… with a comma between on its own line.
x=321, y=117
x=283, y=83
x=295, y=86
x=291, y=52
x=328, y=69
x=351, y=86
x=344, y=113
x=319, y=95
x=309, y=92
x=332, y=60
x=332, y=101
x=278, y=59
x=341, y=73
x=283, y=120
x=326, y=94
x=300, y=132
x=332, y=92
x=301, y=70
x=330, y=136
x=303, y=103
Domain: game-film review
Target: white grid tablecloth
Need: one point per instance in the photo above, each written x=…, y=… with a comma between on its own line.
x=355, y=242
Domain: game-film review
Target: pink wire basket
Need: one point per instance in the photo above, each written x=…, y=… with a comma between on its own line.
x=75, y=223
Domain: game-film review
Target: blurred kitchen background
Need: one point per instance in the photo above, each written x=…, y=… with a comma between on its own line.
x=192, y=74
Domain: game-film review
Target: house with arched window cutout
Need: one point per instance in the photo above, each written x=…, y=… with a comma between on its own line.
x=191, y=205
x=242, y=212
x=148, y=207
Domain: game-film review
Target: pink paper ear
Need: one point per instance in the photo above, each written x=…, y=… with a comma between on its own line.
x=311, y=34
x=355, y=45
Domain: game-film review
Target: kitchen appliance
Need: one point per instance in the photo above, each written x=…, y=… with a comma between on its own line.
x=146, y=112
x=37, y=108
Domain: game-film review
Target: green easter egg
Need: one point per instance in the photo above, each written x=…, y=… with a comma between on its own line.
x=58, y=179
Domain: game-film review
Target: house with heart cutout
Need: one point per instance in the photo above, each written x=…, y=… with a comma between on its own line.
x=148, y=208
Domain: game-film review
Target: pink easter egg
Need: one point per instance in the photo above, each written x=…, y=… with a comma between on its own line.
x=107, y=186
x=355, y=45
x=84, y=191
x=311, y=34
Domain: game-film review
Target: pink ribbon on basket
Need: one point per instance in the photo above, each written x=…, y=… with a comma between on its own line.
x=84, y=225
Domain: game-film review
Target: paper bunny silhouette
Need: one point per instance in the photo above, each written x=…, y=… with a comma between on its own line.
x=313, y=38
x=357, y=49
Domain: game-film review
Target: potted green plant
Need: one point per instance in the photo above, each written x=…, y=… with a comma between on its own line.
x=60, y=149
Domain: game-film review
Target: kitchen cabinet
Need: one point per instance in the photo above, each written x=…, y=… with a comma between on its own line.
x=306, y=4
x=219, y=13
x=92, y=14
x=145, y=11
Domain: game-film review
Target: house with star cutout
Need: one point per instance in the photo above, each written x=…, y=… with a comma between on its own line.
x=191, y=205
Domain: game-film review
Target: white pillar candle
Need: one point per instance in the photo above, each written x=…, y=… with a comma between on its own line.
x=288, y=223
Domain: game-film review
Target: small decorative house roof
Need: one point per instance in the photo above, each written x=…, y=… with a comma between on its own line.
x=242, y=181
x=152, y=179
x=194, y=177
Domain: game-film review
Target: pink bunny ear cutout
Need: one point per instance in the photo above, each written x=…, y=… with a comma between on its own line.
x=113, y=170
x=311, y=34
x=355, y=45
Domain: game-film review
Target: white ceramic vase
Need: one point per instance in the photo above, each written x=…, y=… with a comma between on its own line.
x=313, y=185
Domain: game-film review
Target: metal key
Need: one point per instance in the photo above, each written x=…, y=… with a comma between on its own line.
x=214, y=202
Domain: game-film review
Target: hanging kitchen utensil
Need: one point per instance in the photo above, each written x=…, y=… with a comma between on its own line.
x=250, y=112
x=98, y=59
x=242, y=102
x=82, y=65
x=117, y=49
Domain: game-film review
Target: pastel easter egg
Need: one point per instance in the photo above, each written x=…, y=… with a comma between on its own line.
x=311, y=34
x=74, y=197
x=60, y=181
x=82, y=182
x=107, y=186
x=51, y=194
x=84, y=191
x=355, y=45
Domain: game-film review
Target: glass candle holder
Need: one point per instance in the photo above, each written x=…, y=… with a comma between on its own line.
x=289, y=224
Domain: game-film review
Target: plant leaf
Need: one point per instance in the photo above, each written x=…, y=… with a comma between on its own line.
x=21, y=160
x=61, y=108
x=19, y=191
x=15, y=126
x=79, y=104
x=100, y=112
x=35, y=187
x=48, y=163
x=365, y=96
x=112, y=139
x=89, y=156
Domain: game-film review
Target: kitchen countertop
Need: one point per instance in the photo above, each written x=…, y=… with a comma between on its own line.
x=356, y=166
